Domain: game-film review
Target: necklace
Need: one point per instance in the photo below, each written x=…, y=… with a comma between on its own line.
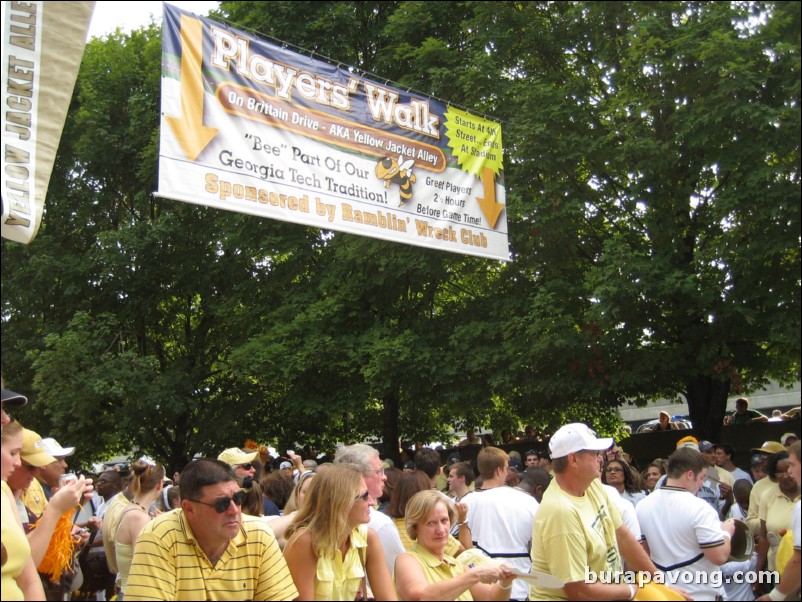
x=145, y=510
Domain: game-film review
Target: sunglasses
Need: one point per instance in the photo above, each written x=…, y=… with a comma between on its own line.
x=365, y=497
x=222, y=504
x=613, y=470
x=247, y=466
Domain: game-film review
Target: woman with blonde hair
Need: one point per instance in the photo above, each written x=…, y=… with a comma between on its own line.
x=427, y=573
x=145, y=487
x=20, y=581
x=330, y=551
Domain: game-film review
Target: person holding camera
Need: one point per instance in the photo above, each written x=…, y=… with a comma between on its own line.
x=19, y=578
x=64, y=499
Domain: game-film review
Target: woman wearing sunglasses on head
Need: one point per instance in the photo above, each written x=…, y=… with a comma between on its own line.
x=330, y=551
x=146, y=485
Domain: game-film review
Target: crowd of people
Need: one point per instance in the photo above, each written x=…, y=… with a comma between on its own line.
x=563, y=524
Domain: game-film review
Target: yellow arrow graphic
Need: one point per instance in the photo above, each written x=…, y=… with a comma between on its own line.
x=188, y=128
x=488, y=203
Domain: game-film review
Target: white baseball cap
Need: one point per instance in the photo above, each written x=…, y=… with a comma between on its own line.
x=576, y=437
x=52, y=447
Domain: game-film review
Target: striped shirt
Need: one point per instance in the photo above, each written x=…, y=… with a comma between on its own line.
x=169, y=564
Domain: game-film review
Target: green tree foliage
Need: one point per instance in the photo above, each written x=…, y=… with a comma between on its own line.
x=662, y=144
x=652, y=176
x=653, y=190
x=123, y=309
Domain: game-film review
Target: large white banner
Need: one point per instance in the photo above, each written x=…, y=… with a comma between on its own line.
x=253, y=127
x=43, y=43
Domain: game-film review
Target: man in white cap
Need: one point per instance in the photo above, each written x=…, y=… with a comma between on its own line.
x=240, y=461
x=34, y=458
x=51, y=474
x=578, y=531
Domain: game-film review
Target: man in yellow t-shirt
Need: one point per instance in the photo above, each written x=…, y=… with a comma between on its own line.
x=577, y=530
x=205, y=549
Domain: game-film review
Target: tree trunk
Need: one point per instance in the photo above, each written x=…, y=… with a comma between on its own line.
x=390, y=416
x=707, y=404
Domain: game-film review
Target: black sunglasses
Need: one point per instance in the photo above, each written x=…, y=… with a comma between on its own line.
x=247, y=466
x=222, y=504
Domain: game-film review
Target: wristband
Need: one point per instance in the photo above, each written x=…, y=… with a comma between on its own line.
x=463, y=523
x=632, y=591
x=777, y=595
x=508, y=586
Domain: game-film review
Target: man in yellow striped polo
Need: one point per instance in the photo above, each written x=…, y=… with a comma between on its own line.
x=207, y=549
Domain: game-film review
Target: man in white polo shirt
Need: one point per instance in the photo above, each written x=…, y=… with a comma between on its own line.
x=500, y=518
x=683, y=533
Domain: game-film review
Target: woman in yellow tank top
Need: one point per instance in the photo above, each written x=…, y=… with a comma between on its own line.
x=146, y=485
x=330, y=551
x=19, y=578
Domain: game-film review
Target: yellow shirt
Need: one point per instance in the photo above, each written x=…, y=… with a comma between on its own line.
x=111, y=522
x=436, y=570
x=124, y=552
x=573, y=533
x=339, y=578
x=777, y=510
x=753, y=516
x=169, y=564
x=725, y=476
x=34, y=498
x=16, y=548
x=452, y=546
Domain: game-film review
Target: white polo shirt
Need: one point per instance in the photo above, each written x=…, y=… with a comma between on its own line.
x=501, y=520
x=678, y=526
